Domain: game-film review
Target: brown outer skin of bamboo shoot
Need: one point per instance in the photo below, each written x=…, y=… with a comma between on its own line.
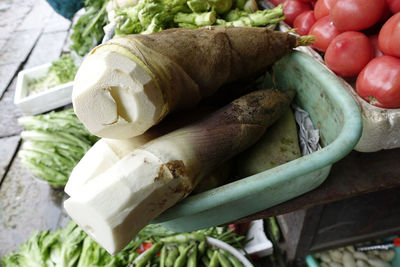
x=224, y=134
x=194, y=63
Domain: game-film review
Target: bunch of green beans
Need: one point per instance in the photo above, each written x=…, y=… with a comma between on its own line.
x=188, y=249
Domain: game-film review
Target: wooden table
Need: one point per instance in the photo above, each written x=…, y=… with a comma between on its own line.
x=33, y=34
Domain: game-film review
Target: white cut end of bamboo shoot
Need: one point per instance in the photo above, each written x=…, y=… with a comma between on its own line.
x=99, y=158
x=115, y=97
x=114, y=206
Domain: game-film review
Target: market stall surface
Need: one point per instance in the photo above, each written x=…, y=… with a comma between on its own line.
x=33, y=34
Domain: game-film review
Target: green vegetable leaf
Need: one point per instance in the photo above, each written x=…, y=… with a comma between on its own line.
x=53, y=144
x=88, y=31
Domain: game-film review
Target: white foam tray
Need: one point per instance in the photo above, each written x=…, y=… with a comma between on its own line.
x=47, y=100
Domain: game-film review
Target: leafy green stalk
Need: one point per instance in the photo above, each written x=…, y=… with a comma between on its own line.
x=265, y=17
x=35, y=252
x=197, y=19
x=53, y=144
x=88, y=31
x=150, y=16
x=198, y=6
x=66, y=252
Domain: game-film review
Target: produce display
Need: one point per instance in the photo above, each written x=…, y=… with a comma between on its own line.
x=61, y=71
x=359, y=42
x=72, y=247
x=53, y=144
x=349, y=256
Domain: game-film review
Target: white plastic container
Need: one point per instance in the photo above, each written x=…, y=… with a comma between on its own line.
x=259, y=244
x=47, y=100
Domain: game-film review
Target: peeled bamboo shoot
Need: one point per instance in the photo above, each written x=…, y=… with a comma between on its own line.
x=113, y=206
x=129, y=84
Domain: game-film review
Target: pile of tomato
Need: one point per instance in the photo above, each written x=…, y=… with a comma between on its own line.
x=359, y=40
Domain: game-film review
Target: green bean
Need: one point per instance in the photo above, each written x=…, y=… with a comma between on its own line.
x=214, y=262
x=230, y=231
x=148, y=255
x=172, y=255
x=184, y=238
x=181, y=260
x=210, y=253
x=163, y=256
x=227, y=237
x=224, y=260
x=273, y=227
x=233, y=259
x=202, y=247
x=192, y=261
x=205, y=260
x=181, y=248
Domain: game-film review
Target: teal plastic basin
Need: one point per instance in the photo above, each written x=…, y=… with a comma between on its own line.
x=332, y=110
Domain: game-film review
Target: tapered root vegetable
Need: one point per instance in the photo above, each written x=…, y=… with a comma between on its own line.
x=115, y=205
x=131, y=83
x=107, y=152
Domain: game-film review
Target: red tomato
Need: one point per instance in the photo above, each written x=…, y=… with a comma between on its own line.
x=324, y=31
x=379, y=82
x=348, y=53
x=277, y=2
x=322, y=7
x=376, y=52
x=389, y=36
x=293, y=8
x=145, y=246
x=233, y=227
x=356, y=15
x=386, y=13
x=394, y=5
x=304, y=22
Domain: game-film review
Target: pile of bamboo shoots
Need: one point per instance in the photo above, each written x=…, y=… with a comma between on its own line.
x=127, y=90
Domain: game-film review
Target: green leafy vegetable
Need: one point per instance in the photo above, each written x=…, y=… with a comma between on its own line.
x=61, y=71
x=72, y=247
x=53, y=144
x=150, y=16
x=88, y=31
x=67, y=247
